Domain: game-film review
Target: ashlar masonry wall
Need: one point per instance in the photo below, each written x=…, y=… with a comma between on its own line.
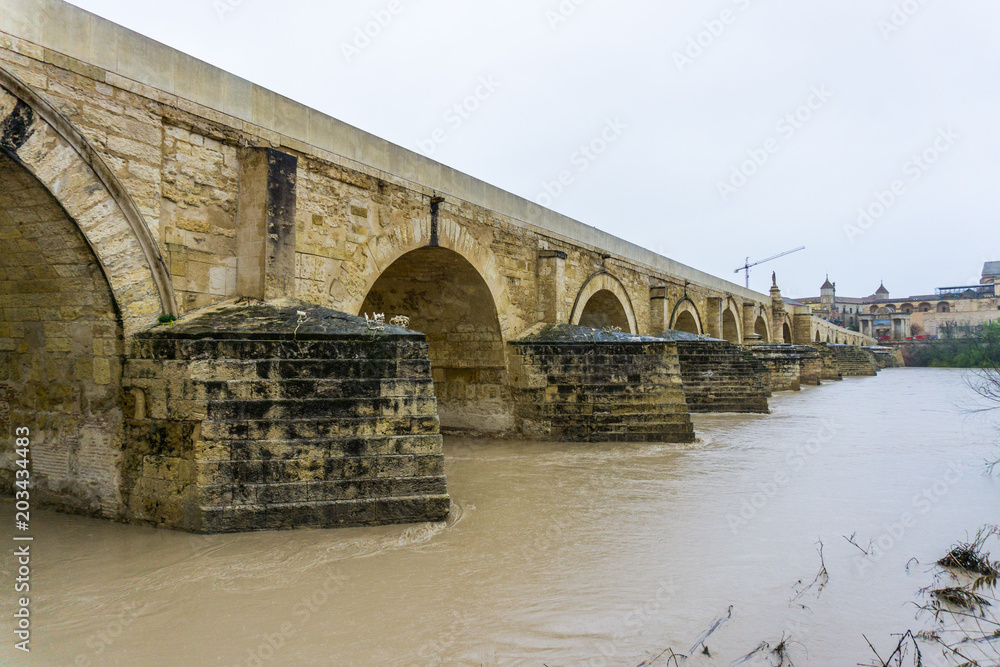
x=60, y=352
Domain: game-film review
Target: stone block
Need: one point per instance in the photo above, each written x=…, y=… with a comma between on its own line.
x=260, y=423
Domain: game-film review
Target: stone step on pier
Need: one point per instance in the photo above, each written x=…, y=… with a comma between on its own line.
x=719, y=376
x=587, y=385
x=829, y=362
x=789, y=366
x=888, y=357
x=810, y=366
x=854, y=361
x=252, y=416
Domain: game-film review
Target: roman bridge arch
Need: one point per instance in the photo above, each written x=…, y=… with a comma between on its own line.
x=379, y=253
x=603, y=302
x=44, y=143
x=731, y=327
x=685, y=317
x=82, y=273
x=786, y=330
x=761, y=323
x=454, y=294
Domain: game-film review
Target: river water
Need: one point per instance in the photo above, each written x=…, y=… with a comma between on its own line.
x=560, y=553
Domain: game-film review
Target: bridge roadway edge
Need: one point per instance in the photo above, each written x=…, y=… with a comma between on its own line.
x=67, y=30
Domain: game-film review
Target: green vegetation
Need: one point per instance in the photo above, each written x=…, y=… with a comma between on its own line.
x=960, y=347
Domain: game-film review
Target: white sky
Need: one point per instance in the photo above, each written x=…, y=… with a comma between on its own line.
x=685, y=126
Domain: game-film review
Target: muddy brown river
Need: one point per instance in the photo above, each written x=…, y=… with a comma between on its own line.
x=562, y=554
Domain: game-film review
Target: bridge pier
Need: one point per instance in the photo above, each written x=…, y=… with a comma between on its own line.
x=719, y=376
x=580, y=384
x=888, y=357
x=788, y=366
x=552, y=286
x=784, y=366
x=830, y=367
x=810, y=366
x=280, y=415
x=659, y=309
x=854, y=361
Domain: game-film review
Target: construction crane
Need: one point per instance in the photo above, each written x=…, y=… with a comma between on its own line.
x=746, y=267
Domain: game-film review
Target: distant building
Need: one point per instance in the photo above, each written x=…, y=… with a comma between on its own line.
x=880, y=316
x=991, y=273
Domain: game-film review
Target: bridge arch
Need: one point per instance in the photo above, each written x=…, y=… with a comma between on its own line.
x=762, y=328
x=61, y=348
x=685, y=317
x=88, y=274
x=450, y=302
x=45, y=144
x=379, y=253
x=603, y=301
x=786, y=332
x=731, y=329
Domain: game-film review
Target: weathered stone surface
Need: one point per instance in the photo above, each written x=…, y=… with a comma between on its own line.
x=686, y=337
x=447, y=300
x=55, y=152
x=582, y=384
x=830, y=369
x=783, y=372
x=888, y=357
x=265, y=224
x=719, y=376
x=854, y=361
x=810, y=366
x=788, y=366
x=60, y=354
x=268, y=415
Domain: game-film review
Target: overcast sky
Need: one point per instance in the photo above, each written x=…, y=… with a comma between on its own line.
x=716, y=130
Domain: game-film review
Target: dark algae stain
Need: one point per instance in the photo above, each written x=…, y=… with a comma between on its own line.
x=15, y=130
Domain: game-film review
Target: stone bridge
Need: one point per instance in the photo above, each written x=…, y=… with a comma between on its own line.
x=139, y=185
